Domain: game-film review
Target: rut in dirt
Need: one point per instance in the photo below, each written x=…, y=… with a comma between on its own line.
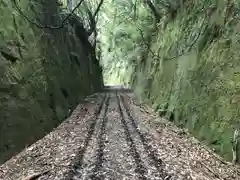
x=95, y=157
x=140, y=170
x=101, y=146
x=157, y=162
x=91, y=127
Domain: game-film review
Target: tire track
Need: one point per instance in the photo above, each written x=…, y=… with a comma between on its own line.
x=91, y=127
x=157, y=162
x=140, y=168
x=118, y=163
x=101, y=146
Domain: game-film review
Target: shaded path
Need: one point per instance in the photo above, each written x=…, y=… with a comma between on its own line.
x=112, y=138
x=101, y=159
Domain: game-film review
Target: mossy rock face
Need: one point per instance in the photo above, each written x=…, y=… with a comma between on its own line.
x=43, y=73
x=200, y=82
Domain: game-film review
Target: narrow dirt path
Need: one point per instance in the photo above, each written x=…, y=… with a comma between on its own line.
x=110, y=137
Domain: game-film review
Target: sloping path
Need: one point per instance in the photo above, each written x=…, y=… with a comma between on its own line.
x=110, y=137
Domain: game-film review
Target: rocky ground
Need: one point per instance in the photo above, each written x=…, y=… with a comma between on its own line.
x=110, y=136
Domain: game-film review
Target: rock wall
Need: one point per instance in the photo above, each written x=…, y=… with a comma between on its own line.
x=44, y=72
x=193, y=79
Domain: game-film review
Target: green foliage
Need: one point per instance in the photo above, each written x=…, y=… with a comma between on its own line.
x=44, y=73
x=185, y=63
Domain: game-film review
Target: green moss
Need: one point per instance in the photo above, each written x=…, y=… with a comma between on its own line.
x=38, y=89
x=192, y=66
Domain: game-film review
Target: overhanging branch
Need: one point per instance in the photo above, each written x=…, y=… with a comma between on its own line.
x=92, y=18
x=154, y=10
x=98, y=8
x=46, y=26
